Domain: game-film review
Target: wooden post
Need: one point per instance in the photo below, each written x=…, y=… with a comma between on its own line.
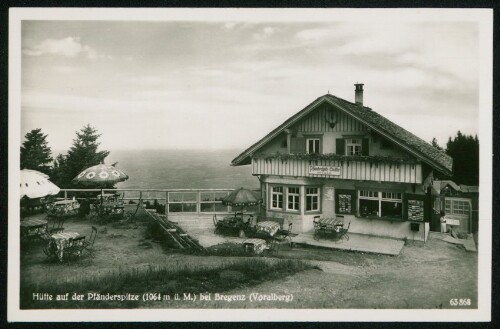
x=166, y=203
x=198, y=203
x=65, y=195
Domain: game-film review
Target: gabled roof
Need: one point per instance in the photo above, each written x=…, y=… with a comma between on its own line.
x=414, y=145
x=439, y=185
x=469, y=189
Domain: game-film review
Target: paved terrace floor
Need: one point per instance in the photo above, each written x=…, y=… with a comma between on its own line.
x=356, y=242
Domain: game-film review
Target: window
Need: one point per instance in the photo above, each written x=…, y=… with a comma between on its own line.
x=380, y=204
x=312, y=199
x=312, y=146
x=293, y=196
x=277, y=197
x=457, y=207
x=353, y=146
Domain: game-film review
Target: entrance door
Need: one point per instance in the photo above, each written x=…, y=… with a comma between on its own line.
x=459, y=208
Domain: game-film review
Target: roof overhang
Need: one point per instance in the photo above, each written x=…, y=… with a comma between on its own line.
x=245, y=157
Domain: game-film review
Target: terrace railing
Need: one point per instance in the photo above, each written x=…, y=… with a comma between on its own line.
x=189, y=201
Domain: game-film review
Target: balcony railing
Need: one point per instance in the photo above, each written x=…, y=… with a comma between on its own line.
x=352, y=168
x=192, y=201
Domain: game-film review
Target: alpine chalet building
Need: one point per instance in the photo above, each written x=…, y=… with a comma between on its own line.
x=336, y=158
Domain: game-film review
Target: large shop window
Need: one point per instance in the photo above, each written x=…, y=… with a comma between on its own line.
x=277, y=197
x=312, y=199
x=380, y=204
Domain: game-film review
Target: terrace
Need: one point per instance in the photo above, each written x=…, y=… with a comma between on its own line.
x=130, y=259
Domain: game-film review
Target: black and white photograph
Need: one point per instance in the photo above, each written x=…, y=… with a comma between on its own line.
x=250, y=164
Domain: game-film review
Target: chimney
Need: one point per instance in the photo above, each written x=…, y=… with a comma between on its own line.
x=358, y=96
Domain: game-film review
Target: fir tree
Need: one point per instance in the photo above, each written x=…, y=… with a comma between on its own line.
x=82, y=154
x=465, y=153
x=35, y=153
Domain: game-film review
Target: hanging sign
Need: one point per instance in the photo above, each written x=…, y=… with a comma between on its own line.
x=325, y=170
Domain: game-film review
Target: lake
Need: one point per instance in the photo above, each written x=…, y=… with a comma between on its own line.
x=171, y=169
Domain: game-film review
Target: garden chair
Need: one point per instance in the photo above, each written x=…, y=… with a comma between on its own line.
x=77, y=247
x=316, y=226
x=48, y=252
x=88, y=245
x=57, y=225
x=343, y=232
x=216, y=223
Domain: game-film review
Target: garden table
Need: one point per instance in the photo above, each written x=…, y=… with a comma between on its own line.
x=333, y=227
x=255, y=245
x=34, y=228
x=331, y=224
x=64, y=240
x=235, y=223
x=107, y=196
x=268, y=227
x=63, y=208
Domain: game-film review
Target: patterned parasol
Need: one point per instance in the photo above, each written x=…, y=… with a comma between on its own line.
x=35, y=184
x=100, y=175
x=241, y=198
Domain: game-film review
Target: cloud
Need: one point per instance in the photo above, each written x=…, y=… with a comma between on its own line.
x=67, y=47
x=64, y=69
x=229, y=25
x=266, y=33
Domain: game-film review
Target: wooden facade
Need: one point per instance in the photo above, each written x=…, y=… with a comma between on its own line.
x=352, y=170
x=326, y=119
x=336, y=158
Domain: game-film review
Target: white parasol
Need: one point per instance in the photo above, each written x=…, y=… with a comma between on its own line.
x=100, y=175
x=35, y=184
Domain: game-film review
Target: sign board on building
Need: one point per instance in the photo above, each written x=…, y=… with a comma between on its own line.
x=416, y=210
x=452, y=221
x=329, y=195
x=325, y=170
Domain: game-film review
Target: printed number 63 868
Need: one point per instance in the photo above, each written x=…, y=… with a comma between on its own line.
x=460, y=302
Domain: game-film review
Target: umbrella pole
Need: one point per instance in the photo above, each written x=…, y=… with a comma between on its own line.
x=100, y=208
x=139, y=204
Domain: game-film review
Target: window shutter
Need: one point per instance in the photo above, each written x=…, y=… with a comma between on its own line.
x=340, y=146
x=365, y=146
x=300, y=145
x=405, y=206
x=293, y=145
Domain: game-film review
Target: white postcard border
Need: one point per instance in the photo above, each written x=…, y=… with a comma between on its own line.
x=484, y=17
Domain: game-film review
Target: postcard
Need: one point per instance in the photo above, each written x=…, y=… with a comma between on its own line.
x=222, y=164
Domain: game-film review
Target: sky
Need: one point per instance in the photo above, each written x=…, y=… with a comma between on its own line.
x=226, y=84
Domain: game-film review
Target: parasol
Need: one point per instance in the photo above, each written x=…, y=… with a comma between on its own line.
x=35, y=184
x=242, y=198
x=100, y=175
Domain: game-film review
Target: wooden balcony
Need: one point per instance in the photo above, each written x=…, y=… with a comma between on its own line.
x=364, y=168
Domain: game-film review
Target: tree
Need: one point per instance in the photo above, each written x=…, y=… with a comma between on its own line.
x=465, y=153
x=35, y=153
x=82, y=154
